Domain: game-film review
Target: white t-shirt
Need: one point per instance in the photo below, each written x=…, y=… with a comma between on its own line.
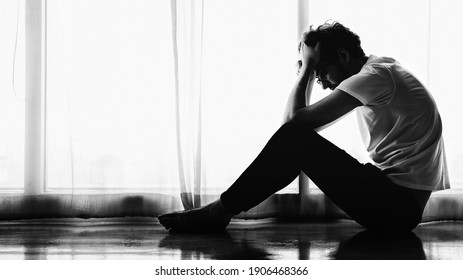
x=400, y=124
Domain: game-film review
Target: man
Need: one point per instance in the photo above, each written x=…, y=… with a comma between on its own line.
x=400, y=126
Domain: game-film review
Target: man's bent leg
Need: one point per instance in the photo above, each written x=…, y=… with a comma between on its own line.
x=273, y=169
x=362, y=190
x=277, y=165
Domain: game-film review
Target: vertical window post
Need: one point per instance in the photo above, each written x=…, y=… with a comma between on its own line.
x=35, y=91
x=302, y=25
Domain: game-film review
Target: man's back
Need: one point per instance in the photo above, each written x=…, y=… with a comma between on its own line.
x=400, y=124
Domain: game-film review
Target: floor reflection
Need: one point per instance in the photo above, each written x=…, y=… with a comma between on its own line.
x=26, y=242
x=298, y=241
x=47, y=242
x=370, y=245
x=271, y=241
x=213, y=246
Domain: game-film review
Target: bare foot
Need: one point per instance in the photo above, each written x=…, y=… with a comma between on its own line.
x=210, y=218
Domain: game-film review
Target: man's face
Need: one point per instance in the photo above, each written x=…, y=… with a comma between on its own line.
x=331, y=74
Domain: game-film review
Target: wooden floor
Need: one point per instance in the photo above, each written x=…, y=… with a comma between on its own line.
x=98, y=240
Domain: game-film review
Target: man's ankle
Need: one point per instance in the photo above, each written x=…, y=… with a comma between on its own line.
x=221, y=210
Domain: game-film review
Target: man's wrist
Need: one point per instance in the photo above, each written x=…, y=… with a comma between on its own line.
x=307, y=71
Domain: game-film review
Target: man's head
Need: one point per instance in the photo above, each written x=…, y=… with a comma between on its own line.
x=341, y=55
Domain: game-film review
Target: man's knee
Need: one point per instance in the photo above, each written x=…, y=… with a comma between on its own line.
x=298, y=131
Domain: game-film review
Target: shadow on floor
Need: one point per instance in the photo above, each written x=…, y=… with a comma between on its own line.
x=369, y=245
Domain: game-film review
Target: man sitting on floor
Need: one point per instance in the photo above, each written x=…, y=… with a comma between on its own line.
x=399, y=123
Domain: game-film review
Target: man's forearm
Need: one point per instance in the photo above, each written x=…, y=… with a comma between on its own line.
x=300, y=94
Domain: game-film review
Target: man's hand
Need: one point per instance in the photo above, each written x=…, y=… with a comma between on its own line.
x=308, y=57
x=300, y=94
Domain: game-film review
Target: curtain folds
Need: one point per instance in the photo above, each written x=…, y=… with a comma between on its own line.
x=187, y=33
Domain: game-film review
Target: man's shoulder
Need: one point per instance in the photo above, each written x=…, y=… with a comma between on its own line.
x=378, y=65
x=380, y=60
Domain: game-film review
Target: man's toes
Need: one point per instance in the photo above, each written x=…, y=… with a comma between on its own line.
x=168, y=223
x=164, y=223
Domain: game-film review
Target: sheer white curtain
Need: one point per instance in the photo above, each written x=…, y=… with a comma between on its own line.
x=111, y=122
x=110, y=102
x=90, y=129
x=187, y=26
x=12, y=105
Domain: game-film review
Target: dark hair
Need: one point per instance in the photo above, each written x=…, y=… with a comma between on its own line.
x=333, y=36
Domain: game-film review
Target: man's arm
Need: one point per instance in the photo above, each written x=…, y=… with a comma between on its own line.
x=302, y=90
x=300, y=95
x=324, y=112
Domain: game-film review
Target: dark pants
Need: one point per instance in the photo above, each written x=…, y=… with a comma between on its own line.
x=363, y=191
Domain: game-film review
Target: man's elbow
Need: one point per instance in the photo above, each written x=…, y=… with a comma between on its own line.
x=302, y=117
x=289, y=116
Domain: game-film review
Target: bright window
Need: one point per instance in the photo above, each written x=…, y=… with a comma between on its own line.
x=250, y=49
x=12, y=105
x=110, y=96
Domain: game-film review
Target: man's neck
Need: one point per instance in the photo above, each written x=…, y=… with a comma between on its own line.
x=357, y=64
